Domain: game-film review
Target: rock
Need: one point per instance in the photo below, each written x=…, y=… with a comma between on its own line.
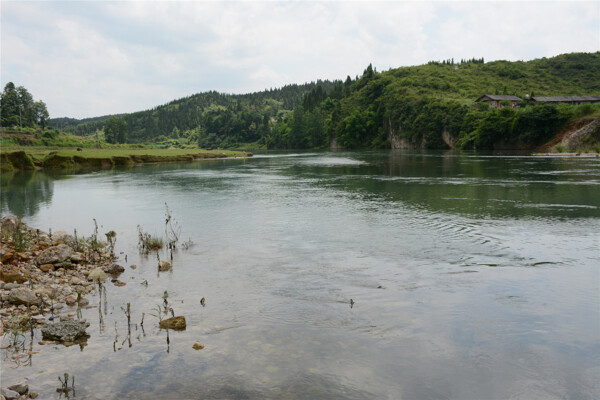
x=23, y=295
x=177, y=323
x=115, y=269
x=11, y=286
x=117, y=282
x=33, y=395
x=22, y=257
x=21, y=387
x=71, y=300
x=9, y=223
x=9, y=394
x=97, y=275
x=197, y=345
x=76, y=280
x=84, y=302
x=133, y=266
x=12, y=276
x=76, y=258
x=7, y=255
x=65, y=331
x=46, y=267
x=164, y=265
x=62, y=236
x=54, y=255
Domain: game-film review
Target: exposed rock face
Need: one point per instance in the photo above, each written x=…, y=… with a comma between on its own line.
x=177, y=323
x=55, y=255
x=590, y=130
x=23, y=295
x=65, y=331
x=449, y=139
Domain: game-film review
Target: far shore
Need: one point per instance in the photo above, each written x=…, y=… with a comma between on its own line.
x=31, y=158
x=587, y=155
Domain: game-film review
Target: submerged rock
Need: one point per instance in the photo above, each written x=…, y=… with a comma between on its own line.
x=197, y=345
x=177, y=323
x=65, y=331
x=54, y=255
x=164, y=265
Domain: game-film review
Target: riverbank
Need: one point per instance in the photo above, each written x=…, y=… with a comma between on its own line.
x=29, y=158
x=44, y=281
x=45, y=277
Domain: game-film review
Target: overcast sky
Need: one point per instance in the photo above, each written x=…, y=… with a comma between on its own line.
x=87, y=59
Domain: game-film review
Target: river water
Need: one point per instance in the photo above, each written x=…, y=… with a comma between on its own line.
x=473, y=277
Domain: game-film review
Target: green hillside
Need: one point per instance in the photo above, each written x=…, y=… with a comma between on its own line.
x=415, y=105
x=210, y=119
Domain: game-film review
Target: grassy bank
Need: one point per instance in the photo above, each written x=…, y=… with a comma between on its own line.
x=27, y=157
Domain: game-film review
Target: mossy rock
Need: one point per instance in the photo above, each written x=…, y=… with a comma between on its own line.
x=5, y=164
x=93, y=162
x=55, y=161
x=177, y=323
x=20, y=160
x=122, y=161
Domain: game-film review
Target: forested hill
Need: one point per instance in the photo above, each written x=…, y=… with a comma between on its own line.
x=210, y=119
x=416, y=106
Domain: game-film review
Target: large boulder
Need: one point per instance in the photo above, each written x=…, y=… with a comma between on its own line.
x=97, y=275
x=23, y=295
x=65, y=331
x=54, y=255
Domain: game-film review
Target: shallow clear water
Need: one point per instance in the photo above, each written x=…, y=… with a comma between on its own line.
x=473, y=276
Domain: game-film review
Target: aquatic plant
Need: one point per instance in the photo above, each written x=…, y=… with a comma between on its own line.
x=111, y=238
x=64, y=383
x=17, y=326
x=172, y=230
x=147, y=242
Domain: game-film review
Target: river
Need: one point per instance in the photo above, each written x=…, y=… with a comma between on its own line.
x=471, y=276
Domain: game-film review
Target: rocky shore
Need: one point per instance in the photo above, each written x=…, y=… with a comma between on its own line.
x=44, y=280
x=45, y=277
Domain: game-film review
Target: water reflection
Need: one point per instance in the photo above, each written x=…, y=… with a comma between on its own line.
x=22, y=193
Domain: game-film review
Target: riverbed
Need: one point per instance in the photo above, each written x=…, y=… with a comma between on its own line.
x=347, y=275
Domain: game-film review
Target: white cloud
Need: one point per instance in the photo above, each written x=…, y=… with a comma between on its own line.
x=93, y=58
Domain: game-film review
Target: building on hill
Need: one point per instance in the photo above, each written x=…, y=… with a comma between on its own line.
x=567, y=99
x=495, y=100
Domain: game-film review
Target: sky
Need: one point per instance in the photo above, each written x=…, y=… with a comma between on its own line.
x=93, y=58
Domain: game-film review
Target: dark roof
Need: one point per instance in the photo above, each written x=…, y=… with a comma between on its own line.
x=564, y=99
x=498, y=97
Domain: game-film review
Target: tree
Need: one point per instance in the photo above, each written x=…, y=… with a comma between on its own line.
x=115, y=130
x=10, y=105
x=40, y=113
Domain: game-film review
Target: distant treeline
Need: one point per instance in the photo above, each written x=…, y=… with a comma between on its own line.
x=417, y=104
